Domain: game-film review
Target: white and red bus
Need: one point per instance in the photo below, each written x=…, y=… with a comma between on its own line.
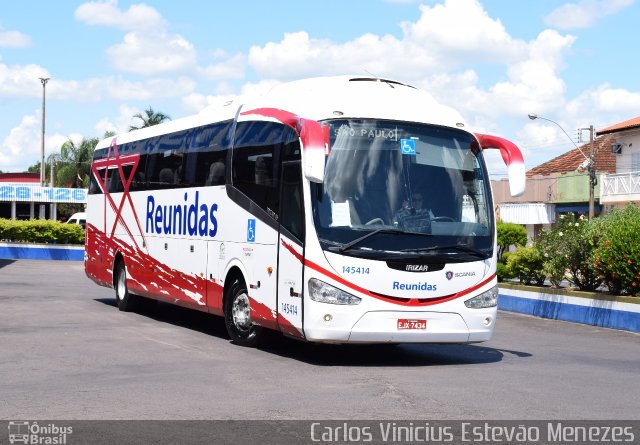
x=338, y=209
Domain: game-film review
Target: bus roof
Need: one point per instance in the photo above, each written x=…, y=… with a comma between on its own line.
x=357, y=97
x=322, y=98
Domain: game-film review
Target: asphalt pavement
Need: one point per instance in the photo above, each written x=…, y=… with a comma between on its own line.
x=66, y=352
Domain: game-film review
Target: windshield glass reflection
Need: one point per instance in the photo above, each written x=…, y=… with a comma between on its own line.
x=425, y=186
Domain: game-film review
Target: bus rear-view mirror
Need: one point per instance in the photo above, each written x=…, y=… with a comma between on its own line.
x=315, y=146
x=512, y=157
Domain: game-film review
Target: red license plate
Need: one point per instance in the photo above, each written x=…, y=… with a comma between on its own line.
x=404, y=323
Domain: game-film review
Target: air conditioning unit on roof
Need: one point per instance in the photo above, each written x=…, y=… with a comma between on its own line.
x=616, y=148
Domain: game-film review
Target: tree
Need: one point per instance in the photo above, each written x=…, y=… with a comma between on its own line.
x=149, y=118
x=568, y=252
x=510, y=234
x=35, y=168
x=74, y=163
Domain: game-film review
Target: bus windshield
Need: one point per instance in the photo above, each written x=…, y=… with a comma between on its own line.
x=403, y=189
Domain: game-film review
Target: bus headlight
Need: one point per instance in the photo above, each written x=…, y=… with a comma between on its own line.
x=485, y=299
x=325, y=293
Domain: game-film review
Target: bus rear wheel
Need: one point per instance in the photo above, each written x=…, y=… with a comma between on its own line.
x=126, y=301
x=237, y=316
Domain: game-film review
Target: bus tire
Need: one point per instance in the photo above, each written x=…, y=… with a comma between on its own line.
x=237, y=316
x=125, y=300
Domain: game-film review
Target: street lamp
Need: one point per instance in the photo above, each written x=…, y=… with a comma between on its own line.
x=44, y=81
x=589, y=161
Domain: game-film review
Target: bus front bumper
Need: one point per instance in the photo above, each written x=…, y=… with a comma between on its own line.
x=405, y=327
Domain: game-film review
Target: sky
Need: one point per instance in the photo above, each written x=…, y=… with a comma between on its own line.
x=495, y=61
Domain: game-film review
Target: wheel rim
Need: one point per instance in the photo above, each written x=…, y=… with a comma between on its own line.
x=121, y=288
x=241, y=313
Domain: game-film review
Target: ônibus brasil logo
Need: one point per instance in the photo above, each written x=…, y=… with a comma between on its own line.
x=33, y=433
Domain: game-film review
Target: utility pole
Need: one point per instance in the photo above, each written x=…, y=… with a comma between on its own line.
x=44, y=81
x=592, y=175
x=53, y=213
x=589, y=159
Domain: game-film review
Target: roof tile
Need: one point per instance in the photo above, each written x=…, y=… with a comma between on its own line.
x=626, y=125
x=604, y=160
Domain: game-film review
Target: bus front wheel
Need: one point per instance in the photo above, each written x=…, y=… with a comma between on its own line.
x=125, y=300
x=237, y=316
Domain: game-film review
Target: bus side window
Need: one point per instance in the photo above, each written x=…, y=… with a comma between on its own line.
x=292, y=210
x=115, y=182
x=94, y=185
x=207, y=155
x=256, y=162
x=217, y=172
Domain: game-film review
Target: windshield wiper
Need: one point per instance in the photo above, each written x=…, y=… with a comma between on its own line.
x=466, y=249
x=352, y=243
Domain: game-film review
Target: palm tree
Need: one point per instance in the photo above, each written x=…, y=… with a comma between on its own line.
x=74, y=163
x=150, y=118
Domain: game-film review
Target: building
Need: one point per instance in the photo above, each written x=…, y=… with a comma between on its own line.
x=571, y=189
x=22, y=197
x=623, y=184
x=532, y=209
x=558, y=186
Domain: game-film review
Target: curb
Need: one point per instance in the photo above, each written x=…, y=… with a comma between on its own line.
x=567, y=305
x=18, y=251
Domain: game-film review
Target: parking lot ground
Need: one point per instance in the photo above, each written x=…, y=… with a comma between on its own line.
x=66, y=352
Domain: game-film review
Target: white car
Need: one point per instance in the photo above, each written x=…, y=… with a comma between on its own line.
x=78, y=218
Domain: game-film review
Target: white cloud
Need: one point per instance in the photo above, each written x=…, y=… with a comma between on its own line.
x=461, y=30
x=532, y=83
x=543, y=138
x=228, y=68
x=21, y=80
x=21, y=143
x=614, y=100
x=256, y=88
x=152, y=54
x=121, y=122
x=147, y=48
x=104, y=125
x=445, y=36
x=196, y=103
x=604, y=106
x=115, y=87
x=139, y=17
x=13, y=39
x=584, y=13
x=21, y=147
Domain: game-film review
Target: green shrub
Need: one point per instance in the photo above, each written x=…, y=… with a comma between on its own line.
x=8, y=229
x=617, y=258
x=41, y=231
x=510, y=234
x=503, y=271
x=527, y=264
x=568, y=252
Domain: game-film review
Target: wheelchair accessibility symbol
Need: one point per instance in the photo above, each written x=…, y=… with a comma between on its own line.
x=251, y=231
x=408, y=146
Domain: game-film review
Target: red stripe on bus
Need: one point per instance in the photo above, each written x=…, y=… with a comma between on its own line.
x=412, y=301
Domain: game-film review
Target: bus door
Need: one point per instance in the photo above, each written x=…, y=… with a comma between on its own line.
x=291, y=245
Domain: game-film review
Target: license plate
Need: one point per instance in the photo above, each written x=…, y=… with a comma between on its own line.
x=404, y=323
